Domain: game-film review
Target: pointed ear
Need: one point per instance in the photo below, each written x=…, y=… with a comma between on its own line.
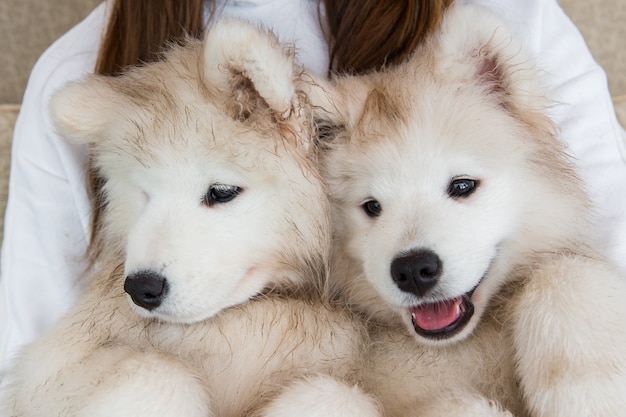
x=475, y=46
x=84, y=110
x=243, y=61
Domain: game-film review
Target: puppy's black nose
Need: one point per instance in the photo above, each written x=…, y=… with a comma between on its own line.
x=417, y=272
x=146, y=288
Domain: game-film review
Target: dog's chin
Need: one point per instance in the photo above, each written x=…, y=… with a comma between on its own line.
x=165, y=315
x=444, y=321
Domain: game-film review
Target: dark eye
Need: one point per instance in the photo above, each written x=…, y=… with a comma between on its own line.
x=372, y=208
x=220, y=193
x=462, y=187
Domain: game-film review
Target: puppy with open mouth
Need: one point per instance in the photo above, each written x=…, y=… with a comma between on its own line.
x=462, y=230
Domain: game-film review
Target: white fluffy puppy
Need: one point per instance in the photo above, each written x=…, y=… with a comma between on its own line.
x=213, y=242
x=459, y=217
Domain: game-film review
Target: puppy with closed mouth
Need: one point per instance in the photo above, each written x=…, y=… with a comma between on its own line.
x=215, y=235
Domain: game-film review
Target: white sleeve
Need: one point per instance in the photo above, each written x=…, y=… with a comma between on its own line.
x=46, y=223
x=583, y=110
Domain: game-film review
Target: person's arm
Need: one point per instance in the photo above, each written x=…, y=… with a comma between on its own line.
x=581, y=108
x=47, y=217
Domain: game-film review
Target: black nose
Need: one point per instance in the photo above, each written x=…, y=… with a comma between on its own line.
x=417, y=272
x=146, y=288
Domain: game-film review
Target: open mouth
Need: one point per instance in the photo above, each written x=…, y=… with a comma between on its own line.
x=442, y=319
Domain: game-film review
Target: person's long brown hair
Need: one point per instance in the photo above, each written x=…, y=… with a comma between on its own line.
x=363, y=35
x=138, y=31
x=369, y=34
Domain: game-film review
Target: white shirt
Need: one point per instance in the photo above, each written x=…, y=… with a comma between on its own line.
x=47, y=217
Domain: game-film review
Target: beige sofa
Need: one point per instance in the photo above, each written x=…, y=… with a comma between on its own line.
x=27, y=27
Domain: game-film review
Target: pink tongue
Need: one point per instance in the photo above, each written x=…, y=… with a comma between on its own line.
x=436, y=316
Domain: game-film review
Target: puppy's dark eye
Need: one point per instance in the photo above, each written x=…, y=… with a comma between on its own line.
x=372, y=208
x=462, y=187
x=220, y=193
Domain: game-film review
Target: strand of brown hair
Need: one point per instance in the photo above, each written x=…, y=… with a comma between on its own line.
x=370, y=34
x=138, y=31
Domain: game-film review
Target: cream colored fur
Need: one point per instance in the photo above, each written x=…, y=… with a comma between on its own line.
x=546, y=337
x=242, y=329
x=210, y=184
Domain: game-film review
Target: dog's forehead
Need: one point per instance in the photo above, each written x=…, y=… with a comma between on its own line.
x=431, y=134
x=197, y=139
x=188, y=124
x=167, y=107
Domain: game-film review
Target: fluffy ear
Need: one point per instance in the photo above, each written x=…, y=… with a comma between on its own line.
x=337, y=104
x=474, y=45
x=243, y=61
x=83, y=110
